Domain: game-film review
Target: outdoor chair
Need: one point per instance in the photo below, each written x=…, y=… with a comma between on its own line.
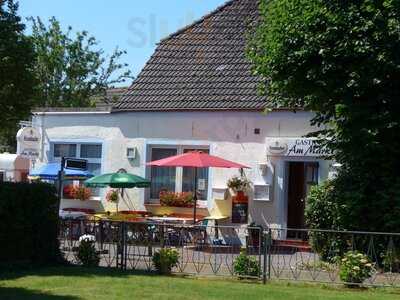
x=199, y=234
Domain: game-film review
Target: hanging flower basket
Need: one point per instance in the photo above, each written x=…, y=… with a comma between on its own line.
x=112, y=196
x=239, y=184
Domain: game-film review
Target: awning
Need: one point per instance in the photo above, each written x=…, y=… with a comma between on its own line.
x=50, y=172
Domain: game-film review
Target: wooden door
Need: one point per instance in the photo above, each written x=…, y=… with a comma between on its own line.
x=302, y=176
x=296, y=195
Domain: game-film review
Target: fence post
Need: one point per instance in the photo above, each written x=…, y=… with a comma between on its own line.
x=125, y=246
x=269, y=252
x=121, y=244
x=267, y=256
x=265, y=240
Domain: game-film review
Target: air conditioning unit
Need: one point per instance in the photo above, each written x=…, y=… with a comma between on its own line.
x=131, y=153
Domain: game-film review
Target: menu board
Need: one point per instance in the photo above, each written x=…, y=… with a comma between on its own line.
x=239, y=212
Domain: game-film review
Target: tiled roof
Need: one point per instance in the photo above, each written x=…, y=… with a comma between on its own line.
x=112, y=95
x=201, y=67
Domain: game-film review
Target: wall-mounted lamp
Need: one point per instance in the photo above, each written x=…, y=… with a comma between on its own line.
x=263, y=167
x=131, y=153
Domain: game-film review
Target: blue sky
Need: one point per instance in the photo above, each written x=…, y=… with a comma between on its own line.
x=133, y=25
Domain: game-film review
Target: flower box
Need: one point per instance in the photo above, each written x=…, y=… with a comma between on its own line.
x=172, y=199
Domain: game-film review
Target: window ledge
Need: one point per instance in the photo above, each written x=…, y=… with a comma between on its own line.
x=202, y=206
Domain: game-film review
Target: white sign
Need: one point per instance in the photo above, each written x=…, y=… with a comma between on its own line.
x=296, y=147
x=28, y=139
x=201, y=184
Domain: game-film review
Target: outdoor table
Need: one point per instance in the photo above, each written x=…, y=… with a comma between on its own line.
x=169, y=220
x=72, y=215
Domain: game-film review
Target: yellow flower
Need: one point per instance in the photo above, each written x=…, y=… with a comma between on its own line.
x=356, y=268
x=364, y=261
x=368, y=265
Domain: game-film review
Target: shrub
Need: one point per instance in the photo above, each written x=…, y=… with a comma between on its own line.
x=324, y=212
x=245, y=265
x=355, y=267
x=87, y=253
x=29, y=224
x=165, y=259
x=332, y=206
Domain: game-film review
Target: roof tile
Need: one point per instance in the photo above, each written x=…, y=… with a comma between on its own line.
x=202, y=66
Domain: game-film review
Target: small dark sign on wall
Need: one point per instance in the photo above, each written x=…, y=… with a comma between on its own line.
x=239, y=213
x=76, y=164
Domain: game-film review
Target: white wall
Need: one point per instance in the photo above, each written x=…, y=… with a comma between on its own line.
x=228, y=134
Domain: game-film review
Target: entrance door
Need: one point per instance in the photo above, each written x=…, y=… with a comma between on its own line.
x=302, y=175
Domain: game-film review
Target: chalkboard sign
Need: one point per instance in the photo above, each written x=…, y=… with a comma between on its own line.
x=76, y=164
x=239, y=212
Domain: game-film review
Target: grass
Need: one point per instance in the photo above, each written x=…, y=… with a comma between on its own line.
x=74, y=283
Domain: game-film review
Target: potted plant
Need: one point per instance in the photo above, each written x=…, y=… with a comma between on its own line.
x=112, y=196
x=81, y=193
x=165, y=259
x=239, y=185
x=87, y=254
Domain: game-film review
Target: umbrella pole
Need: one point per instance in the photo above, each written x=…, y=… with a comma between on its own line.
x=60, y=182
x=195, y=196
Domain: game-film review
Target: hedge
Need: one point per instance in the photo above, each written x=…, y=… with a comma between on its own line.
x=28, y=224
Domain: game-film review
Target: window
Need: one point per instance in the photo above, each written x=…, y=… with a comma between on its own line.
x=66, y=150
x=176, y=179
x=261, y=192
x=92, y=152
x=188, y=179
x=162, y=178
x=311, y=175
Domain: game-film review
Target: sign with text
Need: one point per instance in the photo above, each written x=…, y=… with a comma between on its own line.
x=76, y=164
x=28, y=139
x=296, y=147
x=201, y=184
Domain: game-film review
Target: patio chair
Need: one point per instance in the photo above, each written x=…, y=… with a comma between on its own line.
x=199, y=233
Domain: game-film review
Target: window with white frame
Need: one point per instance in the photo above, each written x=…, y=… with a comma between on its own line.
x=92, y=152
x=176, y=179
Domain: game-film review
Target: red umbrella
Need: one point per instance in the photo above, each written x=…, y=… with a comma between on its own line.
x=195, y=159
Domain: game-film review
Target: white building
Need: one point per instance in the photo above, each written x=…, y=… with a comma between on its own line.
x=196, y=92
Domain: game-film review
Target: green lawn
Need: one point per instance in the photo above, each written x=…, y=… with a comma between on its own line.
x=73, y=283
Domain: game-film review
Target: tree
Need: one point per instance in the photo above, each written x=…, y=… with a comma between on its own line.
x=70, y=69
x=340, y=59
x=17, y=80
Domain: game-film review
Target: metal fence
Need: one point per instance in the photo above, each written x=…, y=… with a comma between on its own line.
x=281, y=253
x=203, y=250
x=316, y=255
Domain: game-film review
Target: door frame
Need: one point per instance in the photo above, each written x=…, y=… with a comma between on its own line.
x=286, y=162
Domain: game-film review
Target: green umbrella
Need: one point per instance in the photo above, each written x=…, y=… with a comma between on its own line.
x=118, y=181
